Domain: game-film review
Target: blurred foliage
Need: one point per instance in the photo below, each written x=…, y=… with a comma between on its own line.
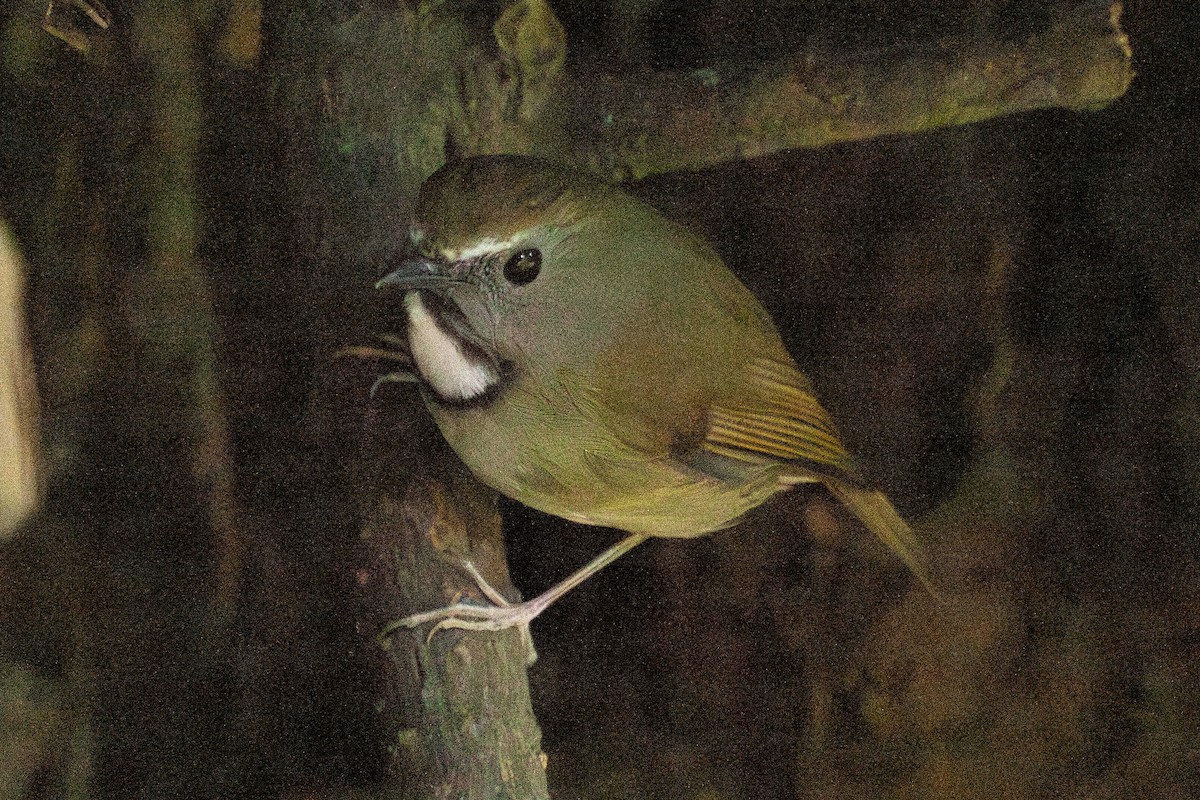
x=1004, y=317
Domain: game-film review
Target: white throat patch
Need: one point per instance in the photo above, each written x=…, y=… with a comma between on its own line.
x=440, y=357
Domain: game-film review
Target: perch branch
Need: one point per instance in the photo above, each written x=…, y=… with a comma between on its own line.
x=458, y=704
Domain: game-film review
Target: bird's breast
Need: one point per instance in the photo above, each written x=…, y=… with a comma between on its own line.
x=557, y=452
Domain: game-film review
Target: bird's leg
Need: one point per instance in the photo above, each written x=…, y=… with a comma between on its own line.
x=504, y=614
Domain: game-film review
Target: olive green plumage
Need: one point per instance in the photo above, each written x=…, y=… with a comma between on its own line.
x=588, y=357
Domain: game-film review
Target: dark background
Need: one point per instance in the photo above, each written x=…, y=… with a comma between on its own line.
x=1003, y=317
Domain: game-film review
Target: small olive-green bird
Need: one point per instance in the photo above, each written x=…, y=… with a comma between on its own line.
x=588, y=357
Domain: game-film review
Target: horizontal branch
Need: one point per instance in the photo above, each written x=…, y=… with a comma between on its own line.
x=426, y=87
x=628, y=126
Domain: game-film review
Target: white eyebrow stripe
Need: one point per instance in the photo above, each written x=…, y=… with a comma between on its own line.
x=479, y=248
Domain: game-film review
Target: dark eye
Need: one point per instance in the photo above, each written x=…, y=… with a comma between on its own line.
x=523, y=267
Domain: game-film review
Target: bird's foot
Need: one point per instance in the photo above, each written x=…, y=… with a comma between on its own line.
x=504, y=614
x=472, y=617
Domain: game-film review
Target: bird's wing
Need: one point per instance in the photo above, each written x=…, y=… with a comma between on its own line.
x=774, y=416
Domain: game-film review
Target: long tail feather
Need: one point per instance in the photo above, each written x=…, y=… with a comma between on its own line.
x=880, y=517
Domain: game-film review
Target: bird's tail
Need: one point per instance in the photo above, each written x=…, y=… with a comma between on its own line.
x=880, y=517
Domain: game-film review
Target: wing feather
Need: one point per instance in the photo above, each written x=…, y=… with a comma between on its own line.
x=776, y=415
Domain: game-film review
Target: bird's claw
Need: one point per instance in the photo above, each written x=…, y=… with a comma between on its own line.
x=472, y=617
x=487, y=618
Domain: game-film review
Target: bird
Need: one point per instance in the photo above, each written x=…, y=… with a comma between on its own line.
x=590, y=358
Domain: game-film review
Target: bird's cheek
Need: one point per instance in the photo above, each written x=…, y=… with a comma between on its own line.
x=474, y=304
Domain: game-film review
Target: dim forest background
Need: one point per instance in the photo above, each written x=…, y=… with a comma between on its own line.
x=1004, y=316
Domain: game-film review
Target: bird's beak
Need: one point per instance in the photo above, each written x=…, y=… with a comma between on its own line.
x=417, y=273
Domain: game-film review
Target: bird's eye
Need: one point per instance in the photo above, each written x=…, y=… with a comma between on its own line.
x=523, y=267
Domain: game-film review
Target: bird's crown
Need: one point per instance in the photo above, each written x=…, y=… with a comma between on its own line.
x=479, y=204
